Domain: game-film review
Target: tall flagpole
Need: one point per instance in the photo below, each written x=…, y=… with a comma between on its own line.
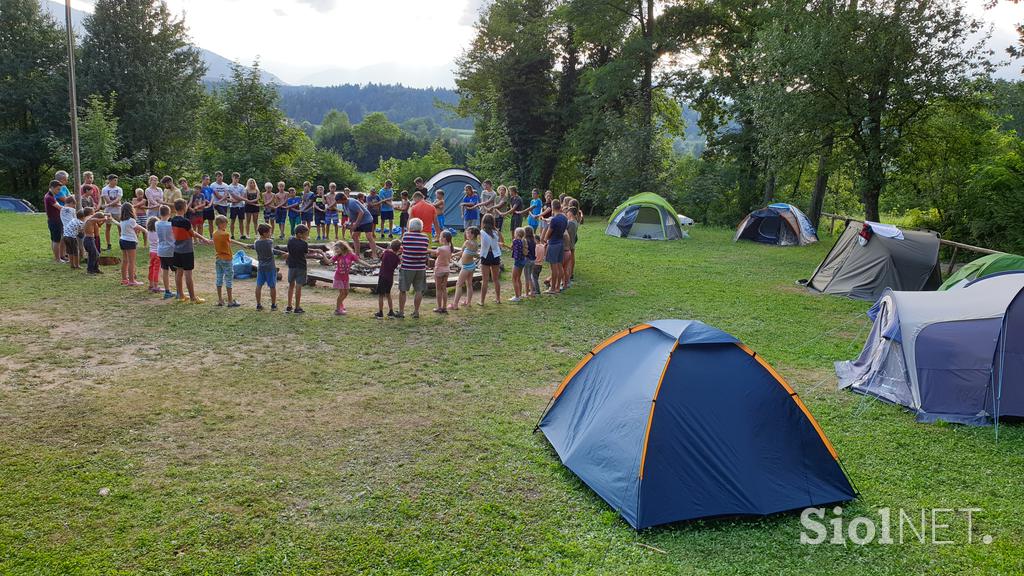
x=73, y=97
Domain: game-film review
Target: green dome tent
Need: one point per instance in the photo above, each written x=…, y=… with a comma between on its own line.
x=984, y=266
x=646, y=216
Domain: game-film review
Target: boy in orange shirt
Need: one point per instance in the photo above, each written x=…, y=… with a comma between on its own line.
x=225, y=273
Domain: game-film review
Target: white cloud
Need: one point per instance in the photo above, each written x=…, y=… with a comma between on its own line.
x=407, y=41
x=320, y=5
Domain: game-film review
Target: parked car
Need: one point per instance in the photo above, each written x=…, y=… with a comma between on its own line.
x=12, y=204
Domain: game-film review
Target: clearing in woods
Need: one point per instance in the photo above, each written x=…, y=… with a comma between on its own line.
x=231, y=441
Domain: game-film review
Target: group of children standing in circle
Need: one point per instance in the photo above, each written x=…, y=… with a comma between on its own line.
x=170, y=216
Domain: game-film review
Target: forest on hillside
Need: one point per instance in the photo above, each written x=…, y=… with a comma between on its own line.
x=398, y=103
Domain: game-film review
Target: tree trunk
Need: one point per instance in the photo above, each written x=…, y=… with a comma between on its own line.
x=873, y=176
x=821, y=180
x=647, y=98
x=749, y=194
x=567, y=85
x=874, y=181
x=769, y=188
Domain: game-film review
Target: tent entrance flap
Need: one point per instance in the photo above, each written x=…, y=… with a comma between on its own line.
x=627, y=219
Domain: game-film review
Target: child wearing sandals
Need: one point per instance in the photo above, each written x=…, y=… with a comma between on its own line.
x=442, y=262
x=343, y=259
x=470, y=253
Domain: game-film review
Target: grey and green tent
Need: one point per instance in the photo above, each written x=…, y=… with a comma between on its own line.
x=984, y=266
x=645, y=216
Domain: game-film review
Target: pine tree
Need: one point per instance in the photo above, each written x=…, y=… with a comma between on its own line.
x=137, y=49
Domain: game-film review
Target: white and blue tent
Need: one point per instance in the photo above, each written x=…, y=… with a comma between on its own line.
x=955, y=355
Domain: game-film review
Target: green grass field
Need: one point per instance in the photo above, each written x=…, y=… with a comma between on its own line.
x=233, y=442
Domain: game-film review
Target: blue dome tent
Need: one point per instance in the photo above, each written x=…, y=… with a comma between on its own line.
x=453, y=181
x=676, y=420
x=780, y=224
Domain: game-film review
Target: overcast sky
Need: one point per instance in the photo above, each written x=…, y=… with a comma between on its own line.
x=414, y=42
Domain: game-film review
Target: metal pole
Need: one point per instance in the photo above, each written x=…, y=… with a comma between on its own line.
x=73, y=97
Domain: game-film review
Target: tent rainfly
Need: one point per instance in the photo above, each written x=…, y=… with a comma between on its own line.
x=955, y=355
x=982, y=267
x=645, y=216
x=675, y=420
x=870, y=257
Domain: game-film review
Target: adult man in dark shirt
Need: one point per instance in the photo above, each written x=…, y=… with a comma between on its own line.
x=515, y=209
x=555, y=237
x=360, y=221
x=419, y=187
x=52, y=208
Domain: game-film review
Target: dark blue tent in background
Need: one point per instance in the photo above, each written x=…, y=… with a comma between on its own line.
x=453, y=181
x=675, y=420
x=781, y=224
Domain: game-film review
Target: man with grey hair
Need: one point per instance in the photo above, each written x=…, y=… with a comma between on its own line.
x=62, y=177
x=413, y=272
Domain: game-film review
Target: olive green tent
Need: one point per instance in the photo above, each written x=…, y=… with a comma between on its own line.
x=984, y=266
x=646, y=216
